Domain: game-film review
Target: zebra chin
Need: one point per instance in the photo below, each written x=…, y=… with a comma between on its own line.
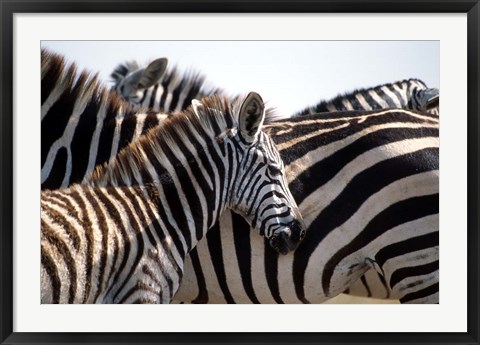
x=287, y=238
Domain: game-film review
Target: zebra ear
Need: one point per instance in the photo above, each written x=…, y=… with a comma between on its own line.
x=197, y=106
x=430, y=97
x=252, y=115
x=152, y=73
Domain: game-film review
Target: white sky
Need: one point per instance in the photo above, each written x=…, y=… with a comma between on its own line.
x=289, y=75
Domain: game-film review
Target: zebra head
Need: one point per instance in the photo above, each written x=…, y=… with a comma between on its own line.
x=428, y=100
x=158, y=89
x=260, y=190
x=131, y=81
x=422, y=98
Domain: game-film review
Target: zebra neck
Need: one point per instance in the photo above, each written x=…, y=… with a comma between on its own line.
x=183, y=166
x=188, y=195
x=186, y=206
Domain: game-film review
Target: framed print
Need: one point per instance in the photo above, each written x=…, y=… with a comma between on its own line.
x=292, y=54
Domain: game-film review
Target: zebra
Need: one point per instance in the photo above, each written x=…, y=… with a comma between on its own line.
x=367, y=187
x=407, y=94
x=159, y=90
x=124, y=235
x=224, y=224
x=83, y=124
x=371, y=284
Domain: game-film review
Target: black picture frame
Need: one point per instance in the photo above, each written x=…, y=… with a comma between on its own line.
x=9, y=7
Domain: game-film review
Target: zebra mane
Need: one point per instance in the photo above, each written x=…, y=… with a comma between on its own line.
x=217, y=121
x=191, y=79
x=171, y=75
x=80, y=89
x=340, y=96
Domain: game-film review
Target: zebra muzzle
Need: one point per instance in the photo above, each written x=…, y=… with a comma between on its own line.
x=287, y=239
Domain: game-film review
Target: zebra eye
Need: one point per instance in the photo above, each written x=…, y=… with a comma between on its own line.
x=274, y=171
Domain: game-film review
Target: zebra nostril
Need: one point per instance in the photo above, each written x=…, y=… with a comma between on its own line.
x=280, y=242
x=297, y=230
x=288, y=238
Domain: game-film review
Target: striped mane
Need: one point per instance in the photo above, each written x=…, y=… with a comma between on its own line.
x=82, y=89
x=217, y=117
x=67, y=93
x=191, y=80
x=171, y=76
x=377, y=87
x=341, y=96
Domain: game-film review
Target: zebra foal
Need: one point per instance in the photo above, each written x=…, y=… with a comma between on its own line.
x=123, y=237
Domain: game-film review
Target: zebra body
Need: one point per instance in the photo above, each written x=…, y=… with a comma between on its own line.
x=134, y=130
x=157, y=89
x=367, y=187
x=83, y=123
x=371, y=284
x=96, y=250
x=410, y=94
x=406, y=94
x=123, y=237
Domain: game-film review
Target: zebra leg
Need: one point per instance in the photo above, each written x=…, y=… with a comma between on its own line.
x=413, y=277
x=371, y=284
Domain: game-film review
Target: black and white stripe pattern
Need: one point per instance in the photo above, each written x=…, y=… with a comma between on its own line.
x=158, y=89
x=410, y=94
x=367, y=186
x=371, y=284
x=353, y=288
x=124, y=236
x=407, y=94
x=83, y=123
